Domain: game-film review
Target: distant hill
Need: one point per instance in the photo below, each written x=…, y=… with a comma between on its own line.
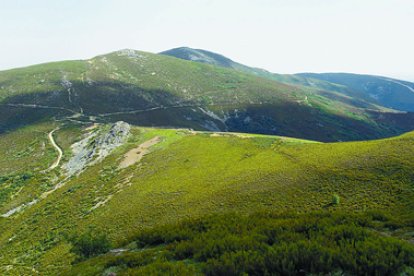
x=157, y=90
x=203, y=56
x=384, y=91
x=388, y=92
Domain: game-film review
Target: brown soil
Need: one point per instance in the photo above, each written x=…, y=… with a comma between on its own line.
x=135, y=155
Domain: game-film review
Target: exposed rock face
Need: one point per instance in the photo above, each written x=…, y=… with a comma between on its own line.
x=112, y=139
x=130, y=53
x=96, y=146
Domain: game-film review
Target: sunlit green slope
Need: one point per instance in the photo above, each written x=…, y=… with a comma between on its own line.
x=189, y=175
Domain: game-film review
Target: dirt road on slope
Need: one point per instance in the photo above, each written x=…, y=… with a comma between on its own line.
x=57, y=148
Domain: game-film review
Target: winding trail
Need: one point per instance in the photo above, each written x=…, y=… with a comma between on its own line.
x=402, y=84
x=58, y=149
x=39, y=106
x=152, y=109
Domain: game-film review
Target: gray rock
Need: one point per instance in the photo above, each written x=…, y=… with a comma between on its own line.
x=95, y=147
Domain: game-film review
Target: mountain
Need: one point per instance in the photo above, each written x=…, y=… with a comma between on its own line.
x=203, y=56
x=377, y=90
x=156, y=90
x=150, y=201
x=388, y=92
x=133, y=163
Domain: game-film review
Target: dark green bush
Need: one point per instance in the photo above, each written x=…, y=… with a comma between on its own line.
x=263, y=244
x=336, y=199
x=90, y=244
x=164, y=268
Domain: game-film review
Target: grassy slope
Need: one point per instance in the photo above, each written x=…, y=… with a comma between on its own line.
x=132, y=80
x=364, y=90
x=385, y=91
x=178, y=181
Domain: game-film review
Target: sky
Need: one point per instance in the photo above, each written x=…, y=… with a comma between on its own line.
x=282, y=36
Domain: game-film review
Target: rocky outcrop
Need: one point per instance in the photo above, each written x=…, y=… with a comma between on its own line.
x=96, y=146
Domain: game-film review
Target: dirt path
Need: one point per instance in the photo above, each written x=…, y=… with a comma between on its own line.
x=402, y=84
x=147, y=110
x=39, y=107
x=136, y=154
x=58, y=149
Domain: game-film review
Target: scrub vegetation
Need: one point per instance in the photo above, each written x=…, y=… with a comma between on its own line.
x=201, y=176
x=259, y=196
x=147, y=89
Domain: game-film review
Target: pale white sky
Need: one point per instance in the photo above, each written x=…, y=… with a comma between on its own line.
x=283, y=36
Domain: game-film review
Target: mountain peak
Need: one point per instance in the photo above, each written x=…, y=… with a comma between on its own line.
x=200, y=55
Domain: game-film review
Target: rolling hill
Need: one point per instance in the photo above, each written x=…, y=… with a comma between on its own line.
x=207, y=57
x=388, y=92
x=156, y=90
x=134, y=163
x=383, y=91
x=107, y=216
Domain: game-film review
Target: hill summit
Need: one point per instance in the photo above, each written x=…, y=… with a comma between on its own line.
x=199, y=55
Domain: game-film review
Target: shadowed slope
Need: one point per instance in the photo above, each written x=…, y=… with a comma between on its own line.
x=156, y=90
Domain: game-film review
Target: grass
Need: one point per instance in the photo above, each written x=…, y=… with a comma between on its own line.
x=25, y=149
x=190, y=175
x=27, y=154
x=388, y=92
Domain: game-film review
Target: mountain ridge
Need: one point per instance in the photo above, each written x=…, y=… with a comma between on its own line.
x=132, y=163
x=156, y=90
x=386, y=91
x=342, y=84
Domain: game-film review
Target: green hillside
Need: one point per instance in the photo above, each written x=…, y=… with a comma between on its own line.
x=363, y=89
x=384, y=91
x=259, y=194
x=134, y=163
x=156, y=90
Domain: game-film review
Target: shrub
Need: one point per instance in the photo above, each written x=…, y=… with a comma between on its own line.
x=164, y=268
x=319, y=243
x=335, y=199
x=263, y=244
x=90, y=244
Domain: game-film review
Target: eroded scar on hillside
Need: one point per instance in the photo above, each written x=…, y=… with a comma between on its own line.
x=136, y=154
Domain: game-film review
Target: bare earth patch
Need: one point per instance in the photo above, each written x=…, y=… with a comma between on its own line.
x=92, y=127
x=135, y=155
